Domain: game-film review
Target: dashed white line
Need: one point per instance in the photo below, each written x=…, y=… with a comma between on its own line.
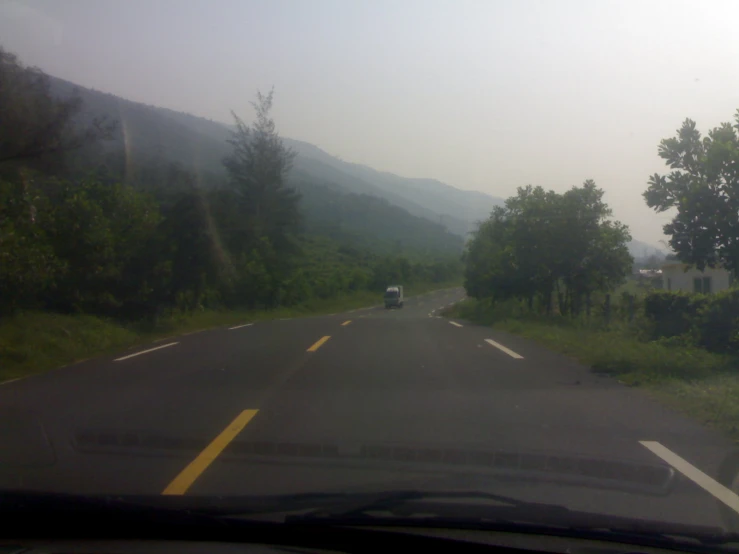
x=145, y=351
x=285, y=319
x=456, y=324
x=11, y=380
x=240, y=326
x=714, y=488
x=508, y=351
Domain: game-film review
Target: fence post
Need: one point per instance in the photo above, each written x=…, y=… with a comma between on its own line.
x=607, y=308
x=631, y=308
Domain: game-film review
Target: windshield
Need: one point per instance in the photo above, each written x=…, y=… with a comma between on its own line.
x=254, y=250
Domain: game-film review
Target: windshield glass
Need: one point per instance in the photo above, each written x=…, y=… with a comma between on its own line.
x=259, y=249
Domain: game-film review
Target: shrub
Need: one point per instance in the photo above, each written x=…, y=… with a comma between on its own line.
x=672, y=314
x=716, y=326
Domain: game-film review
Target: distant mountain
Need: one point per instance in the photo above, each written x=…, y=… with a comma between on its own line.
x=150, y=134
x=335, y=203
x=456, y=209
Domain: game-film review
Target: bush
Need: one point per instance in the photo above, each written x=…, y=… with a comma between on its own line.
x=709, y=321
x=672, y=314
x=716, y=326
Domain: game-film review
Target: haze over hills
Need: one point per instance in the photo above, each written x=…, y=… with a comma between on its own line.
x=151, y=134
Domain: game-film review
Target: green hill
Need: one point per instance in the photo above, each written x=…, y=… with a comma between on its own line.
x=343, y=206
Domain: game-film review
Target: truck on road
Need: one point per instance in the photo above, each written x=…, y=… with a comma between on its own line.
x=394, y=297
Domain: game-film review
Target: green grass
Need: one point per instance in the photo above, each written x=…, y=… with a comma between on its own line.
x=713, y=400
x=699, y=383
x=35, y=342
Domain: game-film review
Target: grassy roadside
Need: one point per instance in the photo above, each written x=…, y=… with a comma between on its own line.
x=35, y=342
x=696, y=382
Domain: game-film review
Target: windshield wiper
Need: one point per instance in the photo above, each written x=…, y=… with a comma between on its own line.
x=439, y=509
x=192, y=517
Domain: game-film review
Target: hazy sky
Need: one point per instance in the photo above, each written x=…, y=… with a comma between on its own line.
x=486, y=95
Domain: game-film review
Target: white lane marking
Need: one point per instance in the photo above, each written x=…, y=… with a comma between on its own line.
x=240, y=326
x=715, y=488
x=11, y=380
x=145, y=351
x=285, y=319
x=329, y=315
x=508, y=351
x=456, y=324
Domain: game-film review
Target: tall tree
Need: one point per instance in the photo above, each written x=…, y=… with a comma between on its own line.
x=703, y=187
x=257, y=170
x=264, y=215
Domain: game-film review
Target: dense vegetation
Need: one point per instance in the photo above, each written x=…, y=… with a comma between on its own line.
x=710, y=321
x=703, y=187
x=85, y=228
x=543, y=245
x=152, y=137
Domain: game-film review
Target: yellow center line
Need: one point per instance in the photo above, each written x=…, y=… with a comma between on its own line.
x=319, y=343
x=347, y=322
x=187, y=476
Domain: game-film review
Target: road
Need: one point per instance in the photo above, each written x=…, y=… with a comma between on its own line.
x=362, y=399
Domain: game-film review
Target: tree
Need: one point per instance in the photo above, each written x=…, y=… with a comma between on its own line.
x=257, y=170
x=542, y=241
x=593, y=250
x=28, y=265
x=38, y=129
x=490, y=268
x=103, y=235
x=264, y=215
x=703, y=187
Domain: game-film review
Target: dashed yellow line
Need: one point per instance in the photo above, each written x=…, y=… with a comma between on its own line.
x=347, y=322
x=319, y=343
x=187, y=476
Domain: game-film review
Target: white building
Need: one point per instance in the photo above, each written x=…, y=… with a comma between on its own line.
x=679, y=277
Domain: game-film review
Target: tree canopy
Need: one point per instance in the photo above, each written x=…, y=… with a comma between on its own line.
x=542, y=242
x=703, y=187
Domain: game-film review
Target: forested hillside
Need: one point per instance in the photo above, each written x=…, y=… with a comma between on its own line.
x=149, y=139
x=113, y=208
x=154, y=135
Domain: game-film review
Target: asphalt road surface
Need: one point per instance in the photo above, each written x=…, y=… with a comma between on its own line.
x=370, y=398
